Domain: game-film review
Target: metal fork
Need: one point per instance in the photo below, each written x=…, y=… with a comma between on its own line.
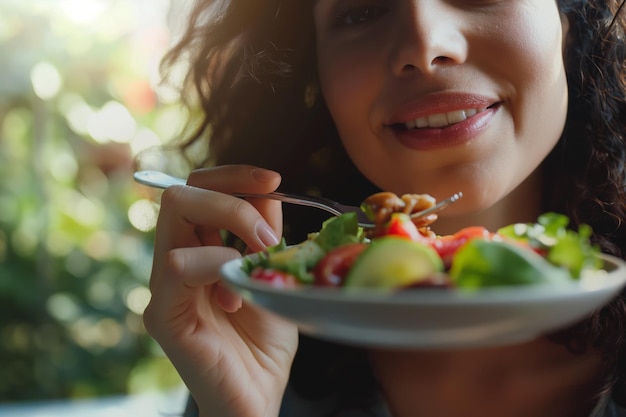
x=162, y=180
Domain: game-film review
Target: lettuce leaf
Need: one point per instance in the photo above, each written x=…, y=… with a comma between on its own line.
x=338, y=231
x=563, y=247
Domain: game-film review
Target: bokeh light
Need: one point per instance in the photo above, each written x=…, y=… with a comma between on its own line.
x=46, y=80
x=143, y=214
x=137, y=299
x=112, y=122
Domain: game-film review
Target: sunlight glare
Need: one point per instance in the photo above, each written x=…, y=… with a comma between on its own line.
x=113, y=122
x=84, y=11
x=143, y=214
x=46, y=80
x=77, y=112
x=137, y=299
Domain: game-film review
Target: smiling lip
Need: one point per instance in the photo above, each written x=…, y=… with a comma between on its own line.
x=442, y=120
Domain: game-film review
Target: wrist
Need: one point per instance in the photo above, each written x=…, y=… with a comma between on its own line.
x=212, y=413
x=208, y=410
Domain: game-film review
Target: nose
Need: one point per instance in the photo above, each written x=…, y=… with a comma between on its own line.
x=428, y=36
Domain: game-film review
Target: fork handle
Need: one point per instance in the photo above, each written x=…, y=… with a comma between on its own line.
x=157, y=179
x=293, y=199
x=162, y=180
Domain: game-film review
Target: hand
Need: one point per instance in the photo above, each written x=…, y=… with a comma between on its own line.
x=234, y=357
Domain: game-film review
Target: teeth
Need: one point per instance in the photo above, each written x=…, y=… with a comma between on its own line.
x=438, y=120
x=456, y=116
x=442, y=119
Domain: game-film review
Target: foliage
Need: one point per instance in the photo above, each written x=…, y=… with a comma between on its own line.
x=78, y=102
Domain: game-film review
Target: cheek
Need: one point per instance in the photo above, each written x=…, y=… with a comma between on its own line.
x=543, y=102
x=349, y=79
x=350, y=87
x=532, y=47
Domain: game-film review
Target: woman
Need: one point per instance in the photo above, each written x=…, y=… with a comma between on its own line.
x=517, y=103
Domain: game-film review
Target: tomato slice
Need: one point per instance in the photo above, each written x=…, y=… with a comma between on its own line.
x=333, y=267
x=401, y=225
x=275, y=278
x=446, y=246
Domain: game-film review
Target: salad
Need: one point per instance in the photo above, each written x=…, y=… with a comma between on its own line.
x=402, y=254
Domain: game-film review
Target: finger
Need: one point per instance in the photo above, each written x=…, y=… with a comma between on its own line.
x=199, y=266
x=187, y=276
x=272, y=212
x=229, y=300
x=186, y=208
x=189, y=268
x=235, y=178
x=241, y=178
x=209, y=237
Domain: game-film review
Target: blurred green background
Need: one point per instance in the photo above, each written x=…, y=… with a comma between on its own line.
x=80, y=99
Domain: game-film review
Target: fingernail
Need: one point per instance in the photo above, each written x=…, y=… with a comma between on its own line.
x=266, y=233
x=263, y=175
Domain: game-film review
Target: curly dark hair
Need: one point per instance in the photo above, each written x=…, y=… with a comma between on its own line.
x=587, y=167
x=253, y=78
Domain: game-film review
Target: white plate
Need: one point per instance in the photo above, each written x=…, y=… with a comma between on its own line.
x=434, y=318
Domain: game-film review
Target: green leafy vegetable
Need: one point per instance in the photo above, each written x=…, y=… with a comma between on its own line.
x=298, y=260
x=262, y=257
x=483, y=263
x=562, y=246
x=338, y=231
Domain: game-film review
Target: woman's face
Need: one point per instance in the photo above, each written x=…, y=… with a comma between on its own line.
x=440, y=96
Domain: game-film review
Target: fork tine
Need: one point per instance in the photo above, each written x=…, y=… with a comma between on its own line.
x=437, y=207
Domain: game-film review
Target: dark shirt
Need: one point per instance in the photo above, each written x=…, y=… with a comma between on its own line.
x=294, y=406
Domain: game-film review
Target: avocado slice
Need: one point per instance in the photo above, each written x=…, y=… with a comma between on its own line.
x=393, y=262
x=297, y=260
